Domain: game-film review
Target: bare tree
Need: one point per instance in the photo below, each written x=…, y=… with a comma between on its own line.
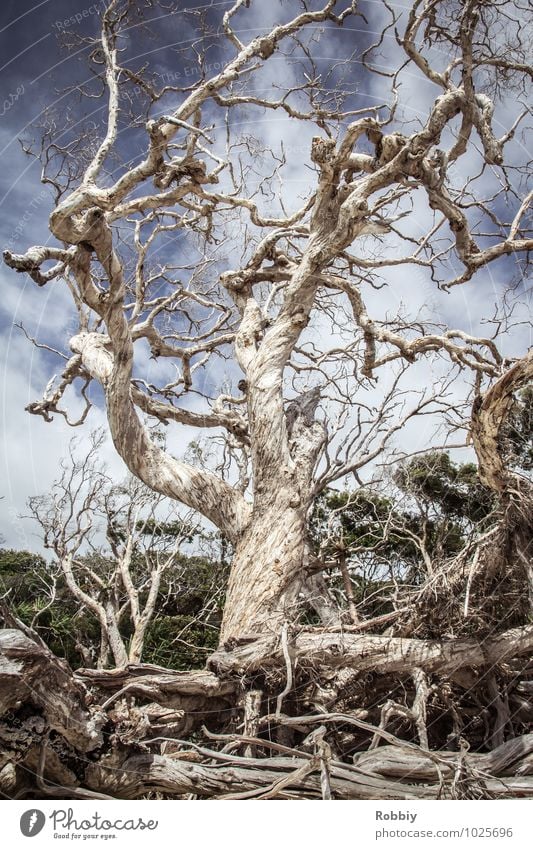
x=272, y=319
x=117, y=581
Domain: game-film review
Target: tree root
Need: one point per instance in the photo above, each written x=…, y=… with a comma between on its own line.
x=126, y=733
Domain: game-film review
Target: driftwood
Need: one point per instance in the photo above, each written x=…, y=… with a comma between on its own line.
x=168, y=688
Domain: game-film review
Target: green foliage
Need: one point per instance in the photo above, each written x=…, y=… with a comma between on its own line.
x=384, y=538
x=35, y=597
x=165, y=647
x=451, y=489
x=167, y=530
x=13, y=561
x=186, y=627
x=184, y=630
x=20, y=574
x=439, y=501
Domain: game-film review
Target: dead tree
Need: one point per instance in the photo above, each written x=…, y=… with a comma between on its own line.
x=284, y=348
x=113, y=548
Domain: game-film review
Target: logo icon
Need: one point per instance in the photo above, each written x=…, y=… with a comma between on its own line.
x=32, y=822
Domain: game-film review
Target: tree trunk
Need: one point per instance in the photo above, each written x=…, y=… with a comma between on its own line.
x=266, y=573
x=136, y=646
x=114, y=638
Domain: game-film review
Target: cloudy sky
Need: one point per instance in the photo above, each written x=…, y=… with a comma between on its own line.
x=35, y=71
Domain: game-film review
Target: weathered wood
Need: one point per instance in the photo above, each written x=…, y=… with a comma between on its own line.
x=393, y=762
x=488, y=418
x=381, y=654
x=298, y=405
x=166, y=685
x=31, y=673
x=153, y=773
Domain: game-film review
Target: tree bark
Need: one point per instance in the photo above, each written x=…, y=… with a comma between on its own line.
x=30, y=672
x=378, y=653
x=489, y=415
x=266, y=573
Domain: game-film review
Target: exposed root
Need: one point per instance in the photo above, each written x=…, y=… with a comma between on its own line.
x=124, y=743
